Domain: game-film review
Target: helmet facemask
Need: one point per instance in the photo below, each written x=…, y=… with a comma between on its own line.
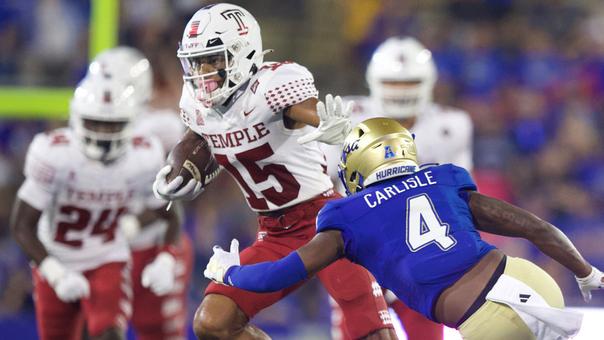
x=402, y=98
x=401, y=77
x=101, y=114
x=103, y=141
x=205, y=86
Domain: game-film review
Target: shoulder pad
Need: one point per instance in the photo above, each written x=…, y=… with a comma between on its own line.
x=46, y=155
x=284, y=84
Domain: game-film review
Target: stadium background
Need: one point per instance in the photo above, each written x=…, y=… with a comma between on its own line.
x=530, y=73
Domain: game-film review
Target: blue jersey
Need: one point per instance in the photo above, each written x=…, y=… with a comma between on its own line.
x=414, y=233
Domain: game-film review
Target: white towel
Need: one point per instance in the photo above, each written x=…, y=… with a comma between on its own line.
x=544, y=321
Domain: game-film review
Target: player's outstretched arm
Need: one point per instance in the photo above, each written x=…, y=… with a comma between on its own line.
x=322, y=250
x=501, y=218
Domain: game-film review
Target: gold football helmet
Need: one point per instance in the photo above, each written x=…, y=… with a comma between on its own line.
x=375, y=150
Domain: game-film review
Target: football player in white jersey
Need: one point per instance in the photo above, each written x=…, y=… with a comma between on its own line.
x=79, y=182
x=259, y=120
x=401, y=77
x=160, y=294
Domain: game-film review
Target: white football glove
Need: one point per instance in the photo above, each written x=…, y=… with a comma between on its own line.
x=595, y=280
x=69, y=285
x=158, y=275
x=335, y=122
x=129, y=225
x=167, y=191
x=221, y=261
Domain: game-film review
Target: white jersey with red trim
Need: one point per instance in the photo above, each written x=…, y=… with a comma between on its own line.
x=81, y=200
x=442, y=134
x=168, y=128
x=249, y=139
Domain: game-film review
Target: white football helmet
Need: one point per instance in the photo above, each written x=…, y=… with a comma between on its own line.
x=227, y=37
x=102, y=111
x=129, y=66
x=401, y=77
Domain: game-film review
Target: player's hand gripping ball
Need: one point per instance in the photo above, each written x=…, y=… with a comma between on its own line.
x=190, y=167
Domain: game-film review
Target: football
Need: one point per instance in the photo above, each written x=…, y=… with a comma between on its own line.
x=192, y=158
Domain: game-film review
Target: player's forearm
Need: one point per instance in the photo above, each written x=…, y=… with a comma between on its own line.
x=304, y=112
x=501, y=218
x=174, y=219
x=23, y=225
x=267, y=276
x=555, y=244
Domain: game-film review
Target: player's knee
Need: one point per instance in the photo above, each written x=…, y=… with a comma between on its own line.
x=218, y=317
x=212, y=326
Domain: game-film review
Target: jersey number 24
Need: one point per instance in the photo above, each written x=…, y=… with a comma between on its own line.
x=424, y=226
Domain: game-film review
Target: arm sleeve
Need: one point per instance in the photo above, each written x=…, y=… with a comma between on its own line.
x=34, y=194
x=268, y=276
x=463, y=180
x=289, y=85
x=40, y=173
x=330, y=218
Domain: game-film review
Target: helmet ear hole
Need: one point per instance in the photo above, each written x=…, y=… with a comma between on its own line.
x=361, y=133
x=353, y=176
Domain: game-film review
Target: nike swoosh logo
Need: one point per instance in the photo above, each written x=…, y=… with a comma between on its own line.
x=248, y=112
x=212, y=41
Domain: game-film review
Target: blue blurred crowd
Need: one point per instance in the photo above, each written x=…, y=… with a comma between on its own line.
x=530, y=73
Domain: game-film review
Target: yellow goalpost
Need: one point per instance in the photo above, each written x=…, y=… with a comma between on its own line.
x=52, y=102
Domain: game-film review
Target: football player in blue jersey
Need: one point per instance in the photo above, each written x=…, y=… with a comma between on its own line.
x=416, y=229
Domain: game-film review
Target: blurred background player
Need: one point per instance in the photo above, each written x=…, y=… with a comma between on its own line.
x=255, y=116
x=415, y=228
x=79, y=182
x=159, y=302
x=401, y=77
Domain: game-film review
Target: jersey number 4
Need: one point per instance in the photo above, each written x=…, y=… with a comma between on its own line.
x=424, y=225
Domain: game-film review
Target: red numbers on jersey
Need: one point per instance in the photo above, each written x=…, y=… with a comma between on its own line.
x=249, y=159
x=78, y=219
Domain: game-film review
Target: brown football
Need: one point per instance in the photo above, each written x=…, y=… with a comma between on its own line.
x=192, y=158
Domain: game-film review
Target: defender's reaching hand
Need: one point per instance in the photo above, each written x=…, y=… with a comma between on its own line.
x=221, y=261
x=593, y=281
